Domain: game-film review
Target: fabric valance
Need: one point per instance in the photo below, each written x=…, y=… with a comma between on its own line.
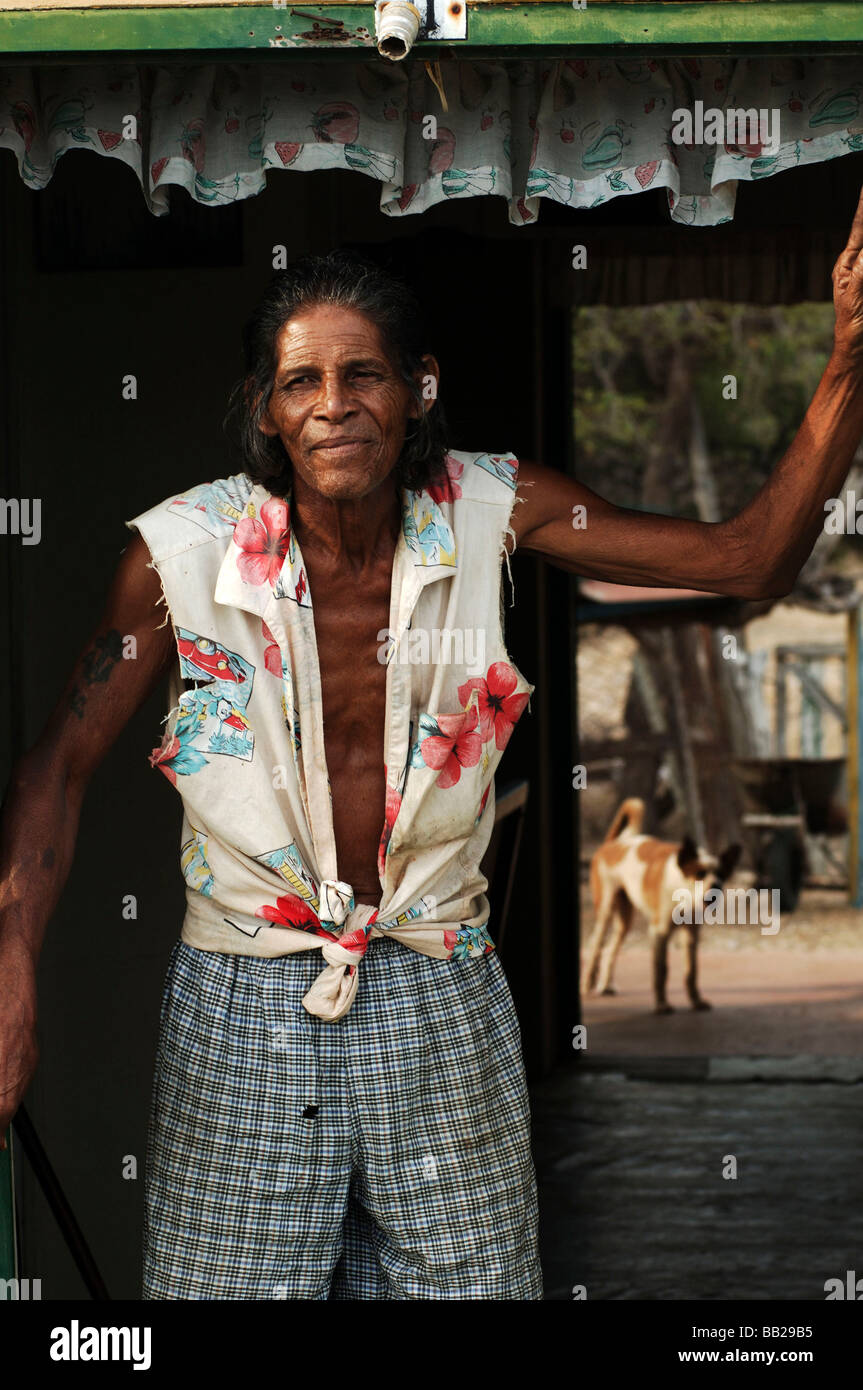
x=579, y=131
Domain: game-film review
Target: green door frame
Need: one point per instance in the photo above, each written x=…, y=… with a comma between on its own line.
x=8, y=1261
x=533, y=29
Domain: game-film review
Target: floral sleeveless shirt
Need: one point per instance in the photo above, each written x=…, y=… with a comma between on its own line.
x=244, y=740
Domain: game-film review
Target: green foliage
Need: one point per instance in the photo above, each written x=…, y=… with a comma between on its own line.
x=636, y=371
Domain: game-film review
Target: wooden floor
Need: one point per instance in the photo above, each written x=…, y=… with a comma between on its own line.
x=633, y=1203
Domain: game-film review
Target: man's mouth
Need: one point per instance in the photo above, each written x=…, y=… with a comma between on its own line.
x=335, y=447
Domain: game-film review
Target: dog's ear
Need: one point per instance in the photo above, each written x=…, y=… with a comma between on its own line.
x=728, y=861
x=687, y=855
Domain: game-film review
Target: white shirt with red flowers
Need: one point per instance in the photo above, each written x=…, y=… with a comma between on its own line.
x=244, y=739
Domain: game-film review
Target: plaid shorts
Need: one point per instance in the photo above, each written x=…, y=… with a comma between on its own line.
x=383, y=1156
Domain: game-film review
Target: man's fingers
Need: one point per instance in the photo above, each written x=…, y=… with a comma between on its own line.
x=855, y=236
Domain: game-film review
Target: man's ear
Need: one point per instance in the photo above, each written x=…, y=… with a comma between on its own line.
x=252, y=397
x=266, y=425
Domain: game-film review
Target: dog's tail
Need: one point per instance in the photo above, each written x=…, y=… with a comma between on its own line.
x=630, y=816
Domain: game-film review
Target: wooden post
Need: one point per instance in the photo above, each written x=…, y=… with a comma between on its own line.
x=810, y=713
x=781, y=703
x=855, y=755
x=683, y=749
x=759, y=718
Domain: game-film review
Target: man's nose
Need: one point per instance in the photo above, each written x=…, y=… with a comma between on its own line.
x=334, y=400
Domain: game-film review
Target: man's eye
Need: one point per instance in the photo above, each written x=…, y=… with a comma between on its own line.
x=359, y=372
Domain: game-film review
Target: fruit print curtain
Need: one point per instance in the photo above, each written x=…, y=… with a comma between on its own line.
x=578, y=131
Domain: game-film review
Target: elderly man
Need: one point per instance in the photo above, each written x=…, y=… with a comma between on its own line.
x=339, y=1107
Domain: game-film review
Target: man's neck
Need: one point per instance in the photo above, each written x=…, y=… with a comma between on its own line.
x=352, y=534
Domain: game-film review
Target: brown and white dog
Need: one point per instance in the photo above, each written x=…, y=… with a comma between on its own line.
x=632, y=871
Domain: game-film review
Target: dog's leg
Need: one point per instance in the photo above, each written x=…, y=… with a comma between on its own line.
x=622, y=910
x=659, y=933
x=695, y=998
x=603, y=907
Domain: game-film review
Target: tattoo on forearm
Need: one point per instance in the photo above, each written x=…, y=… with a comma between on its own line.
x=96, y=667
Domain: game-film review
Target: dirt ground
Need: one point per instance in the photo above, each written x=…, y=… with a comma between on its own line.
x=799, y=991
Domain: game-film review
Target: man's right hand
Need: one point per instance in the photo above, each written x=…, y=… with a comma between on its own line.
x=19, y=1050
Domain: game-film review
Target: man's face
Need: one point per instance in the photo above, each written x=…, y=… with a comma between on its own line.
x=339, y=405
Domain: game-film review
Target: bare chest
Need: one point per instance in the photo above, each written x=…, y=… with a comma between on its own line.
x=350, y=633
x=351, y=622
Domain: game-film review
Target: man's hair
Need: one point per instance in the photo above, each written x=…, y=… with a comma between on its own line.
x=348, y=281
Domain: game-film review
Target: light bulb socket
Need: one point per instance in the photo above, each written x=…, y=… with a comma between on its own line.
x=397, y=23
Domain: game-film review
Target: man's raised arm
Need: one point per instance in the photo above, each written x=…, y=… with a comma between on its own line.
x=759, y=552
x=39, y=821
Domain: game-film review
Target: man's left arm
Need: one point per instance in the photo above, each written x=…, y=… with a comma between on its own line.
x=759, y=552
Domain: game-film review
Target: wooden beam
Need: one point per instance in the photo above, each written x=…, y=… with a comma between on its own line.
x=537, y=25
